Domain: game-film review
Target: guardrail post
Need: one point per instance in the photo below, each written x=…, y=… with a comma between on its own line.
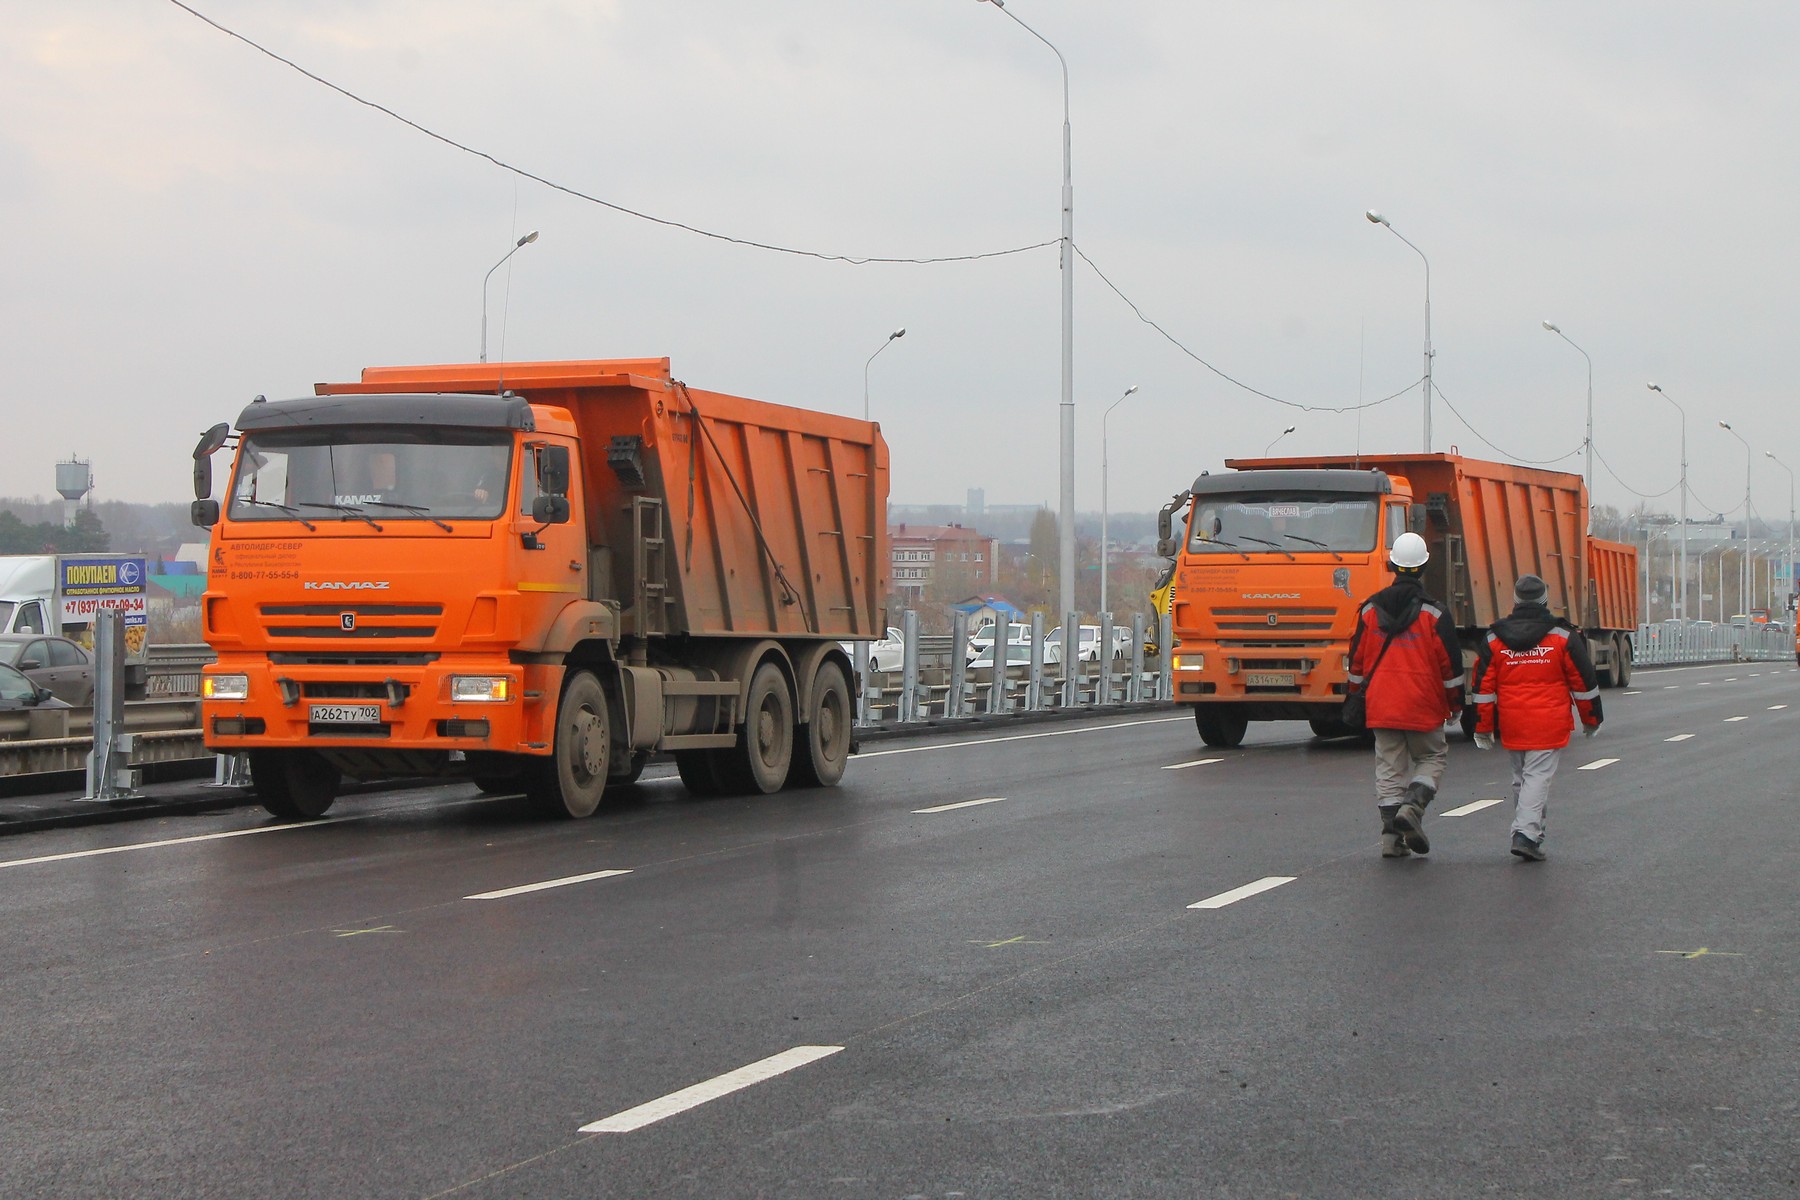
x=996, y=698
x=909, y=665
x=1165, y=642
x=108, y=775
x=1134, y=691
x=231, y=770
x=871, y=694
x=1034, y=686
x=954, y=701
x=1103, y=659
x=1071, y=676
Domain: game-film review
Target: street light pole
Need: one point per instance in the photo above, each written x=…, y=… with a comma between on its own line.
x=1378, y=219
x=1770, y=455
x=1657, y=388
x=1066, y=532
x=1277, y=438
x=517, y=246
x=1103, y=495
x=1744, y=566
x=898, y=333
x=1587, y=473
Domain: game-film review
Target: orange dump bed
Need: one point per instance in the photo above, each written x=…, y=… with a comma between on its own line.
x=744, y=518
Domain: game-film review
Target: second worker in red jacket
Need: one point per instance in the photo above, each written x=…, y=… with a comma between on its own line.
x=1534, y=676
x=1405, y=657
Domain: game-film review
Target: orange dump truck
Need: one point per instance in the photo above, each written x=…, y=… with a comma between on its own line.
x=541, y=574
x=1275, y=556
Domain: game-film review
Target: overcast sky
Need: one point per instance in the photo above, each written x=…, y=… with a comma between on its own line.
x=190, y=223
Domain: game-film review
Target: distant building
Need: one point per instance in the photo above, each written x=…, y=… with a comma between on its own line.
x=921, y=555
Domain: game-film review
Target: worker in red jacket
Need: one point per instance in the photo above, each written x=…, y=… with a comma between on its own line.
x=1533, y=678
x=1405, y=659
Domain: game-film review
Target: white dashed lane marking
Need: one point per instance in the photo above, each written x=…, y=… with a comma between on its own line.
x=1198, y=762
x=1776, y=707
x=1597, y=764
x=711, y=1089
x=1476, y=807
x=1243, y=893
x=545, y=886
x=1680, y=737
x=960, y=804
x=1729, y=720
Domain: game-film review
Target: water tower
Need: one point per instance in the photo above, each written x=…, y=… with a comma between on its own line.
x=74, y=479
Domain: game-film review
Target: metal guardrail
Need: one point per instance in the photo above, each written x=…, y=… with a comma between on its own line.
x=1669, y=642
x=165, y=727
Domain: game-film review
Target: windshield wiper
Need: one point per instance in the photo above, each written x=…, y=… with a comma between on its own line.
x=417, y=510
x=349, y=510
x=292, y=512
x=1218, y=541
x=1271, y=545
x=1311, y=542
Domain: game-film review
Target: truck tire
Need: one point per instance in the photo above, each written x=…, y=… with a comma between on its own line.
x=295, y=785
x=1329, y=727
x=571, y=781
x=1623, y=671
x=629, y=768
x=822, y=745
x=765, y=749
x=496, y=774
x=1219, y=729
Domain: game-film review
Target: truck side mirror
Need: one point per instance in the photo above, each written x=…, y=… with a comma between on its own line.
x=204, y=513
x=550, y=510
x=209, y=442
x=553, y=470
x=1165, y=547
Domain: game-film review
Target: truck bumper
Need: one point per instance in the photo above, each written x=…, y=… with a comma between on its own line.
x=397, y=707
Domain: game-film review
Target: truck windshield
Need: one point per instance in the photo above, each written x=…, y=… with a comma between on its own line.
x=1286, y=523
x=356, y=473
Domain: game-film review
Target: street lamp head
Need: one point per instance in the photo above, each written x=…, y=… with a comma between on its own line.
x=1289, y=430
x=1376, y=217
x=1551, y=326
x=995, y=3
x=527, y=239
x=1655, y=387
x=1131, y=389
x=1726, y=425
x=900, y=332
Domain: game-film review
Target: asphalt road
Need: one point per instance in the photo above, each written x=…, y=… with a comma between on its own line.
x=1008, y=998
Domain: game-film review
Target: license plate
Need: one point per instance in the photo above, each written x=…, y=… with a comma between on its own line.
x=346, y=714
x=1267, y=679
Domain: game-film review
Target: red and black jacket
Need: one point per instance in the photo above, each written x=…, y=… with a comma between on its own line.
x=1534, y=672
x=1420, y=682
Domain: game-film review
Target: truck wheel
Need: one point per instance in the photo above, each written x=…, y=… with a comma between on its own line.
x=1623, y=671
x=698, y=772
x=295, y=785
x=765, y=746
x=571, y=781
x=822, y=745
x=496, y=774
x=1329, y=727
x=1222, y=730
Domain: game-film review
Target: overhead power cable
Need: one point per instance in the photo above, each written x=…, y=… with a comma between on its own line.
x=1175, y=342
x=1500, y=450
x=1695, y=497
x=1627, y=486
x=853, y=259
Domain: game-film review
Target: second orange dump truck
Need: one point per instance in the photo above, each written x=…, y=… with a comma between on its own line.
x=1276, y=556
x=540, y=573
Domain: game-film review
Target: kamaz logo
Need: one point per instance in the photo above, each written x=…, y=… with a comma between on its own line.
x=359, y=586
x=1270, y=596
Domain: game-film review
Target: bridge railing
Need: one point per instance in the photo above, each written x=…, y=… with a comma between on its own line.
x=1671, y=642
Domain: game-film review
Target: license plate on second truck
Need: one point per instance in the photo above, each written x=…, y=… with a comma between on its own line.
x=346, y=714
x=1261, y=679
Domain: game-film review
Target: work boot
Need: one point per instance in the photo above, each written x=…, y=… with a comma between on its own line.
x=1409, y=818
x=1392, y=846
x=1527, y=849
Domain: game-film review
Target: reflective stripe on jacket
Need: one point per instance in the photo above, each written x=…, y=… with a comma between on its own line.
x=1528, y=691
x=1419, y=683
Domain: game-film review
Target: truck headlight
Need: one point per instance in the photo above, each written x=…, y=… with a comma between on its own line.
x=1190, y=662
x=225, y=687
x=485, y=688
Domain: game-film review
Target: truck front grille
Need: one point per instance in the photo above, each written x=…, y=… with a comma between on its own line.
x=353, y=622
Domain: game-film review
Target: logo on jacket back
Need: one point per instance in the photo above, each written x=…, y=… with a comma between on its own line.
x=1534, y=652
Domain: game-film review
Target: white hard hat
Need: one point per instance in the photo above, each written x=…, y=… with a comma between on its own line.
x=1409, y=551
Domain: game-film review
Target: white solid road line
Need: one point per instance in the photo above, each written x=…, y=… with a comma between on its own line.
x=1631, y=693
x=1597, y=764
x=181, y=841
x=1198, y=762
x=960, y=804
x=1240, y=893
x=1776, y=707
x=1022, y=737
x=1476, y=807
x=503, y=893
x=711, y=1089
x=1680, y=737
x=1729, y=720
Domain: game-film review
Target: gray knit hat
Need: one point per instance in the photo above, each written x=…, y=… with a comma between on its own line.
x=1529, y=590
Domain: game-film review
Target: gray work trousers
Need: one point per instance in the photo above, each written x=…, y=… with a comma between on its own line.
x=1532, y=772
x=1404, y=756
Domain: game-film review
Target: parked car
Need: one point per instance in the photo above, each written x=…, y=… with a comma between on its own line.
x=17, y=691
x=1087, y=647
x=1018, y=646
x=51, y=662
x=884, y=655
